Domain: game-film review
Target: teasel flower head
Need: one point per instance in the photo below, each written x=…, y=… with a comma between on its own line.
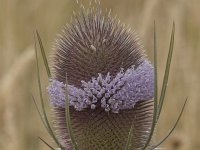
x=110, y=83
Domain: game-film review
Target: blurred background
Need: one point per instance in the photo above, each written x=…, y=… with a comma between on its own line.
x=20, y=125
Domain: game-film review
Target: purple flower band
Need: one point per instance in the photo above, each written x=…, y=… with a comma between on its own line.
x=110, y=93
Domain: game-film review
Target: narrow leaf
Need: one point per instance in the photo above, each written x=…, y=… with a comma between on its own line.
x=42, y=102
x=46, y=143
x=159, y=143
x=155, y=91
x=68, y=119
x=165, y=80
x=43, y=54
x=41, y=116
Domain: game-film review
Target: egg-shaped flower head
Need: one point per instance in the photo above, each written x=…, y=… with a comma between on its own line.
x=110, y=83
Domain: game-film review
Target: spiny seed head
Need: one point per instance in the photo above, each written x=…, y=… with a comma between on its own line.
x=94, y=43
x=110, y=83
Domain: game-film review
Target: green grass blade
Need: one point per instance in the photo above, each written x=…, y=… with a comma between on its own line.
x=166, y=76
x=41, y=116
x=42, y=101
x=159, y=143
x=68, y=119
x=130, y=135
x=43, y=54
x=155, y=92
x=46, y=143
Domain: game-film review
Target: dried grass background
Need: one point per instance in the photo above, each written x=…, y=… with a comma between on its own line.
x=19, y=122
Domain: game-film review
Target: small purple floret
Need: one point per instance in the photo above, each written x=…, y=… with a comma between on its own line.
x=56, y=92
x=114, y=93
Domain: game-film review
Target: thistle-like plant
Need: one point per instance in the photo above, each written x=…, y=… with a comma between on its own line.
x=102, y=88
